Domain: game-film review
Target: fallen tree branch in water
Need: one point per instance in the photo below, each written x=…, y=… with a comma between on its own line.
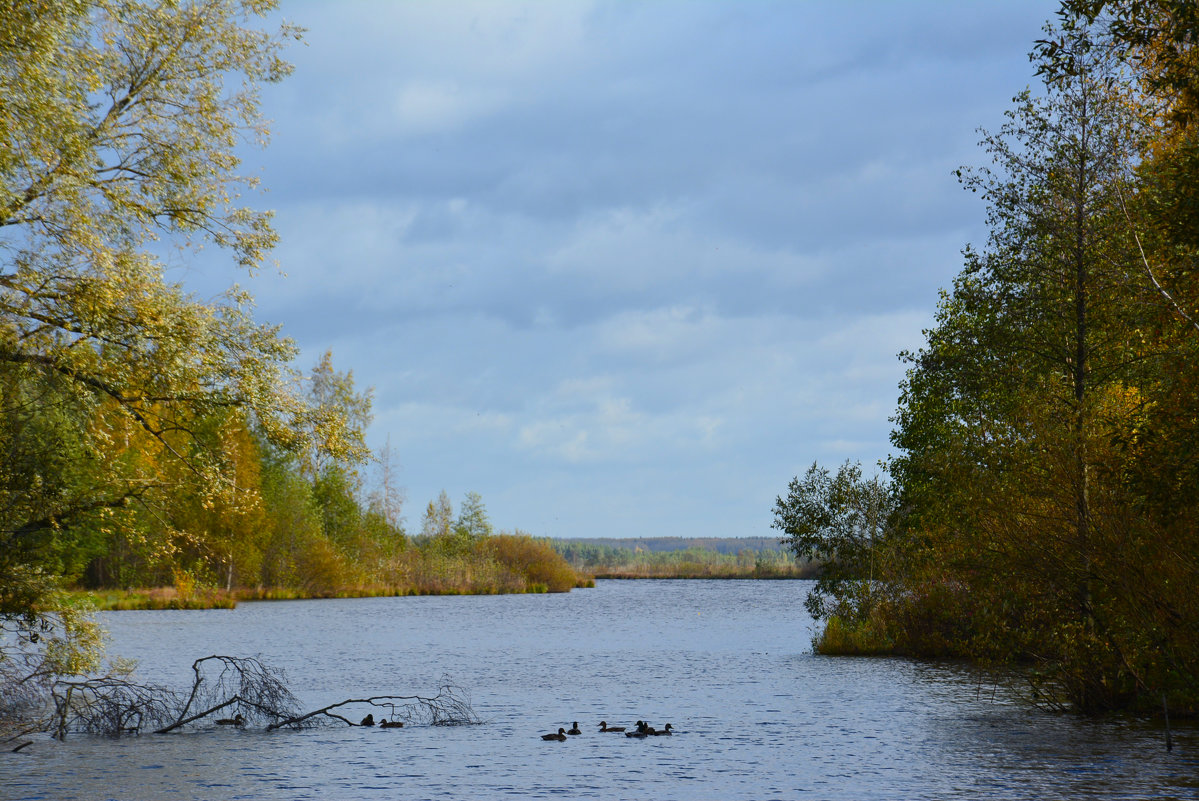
x=252, y=691
x=109, y=706
x=450, y=707
x=255, y=691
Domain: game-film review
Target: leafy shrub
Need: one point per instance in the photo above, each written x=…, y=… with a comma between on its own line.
x=535, y=561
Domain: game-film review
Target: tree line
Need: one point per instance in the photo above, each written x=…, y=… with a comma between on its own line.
x=1042, y=506
x=682, y=557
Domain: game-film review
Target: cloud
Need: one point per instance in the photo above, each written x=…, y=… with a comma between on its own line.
x=625, y=268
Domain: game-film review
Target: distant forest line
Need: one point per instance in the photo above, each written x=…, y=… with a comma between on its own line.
x=725, y=545
x=683, y=557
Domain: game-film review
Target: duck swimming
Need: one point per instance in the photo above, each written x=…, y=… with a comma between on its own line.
x=561, y=736
x=574, y=728
x=664, y=732
x=604, y=727
x=237, y=720
x=643, y=730
x=395, y=724
x=369, y=720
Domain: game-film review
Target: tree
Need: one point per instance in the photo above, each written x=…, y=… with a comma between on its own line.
x=119, y=123
x=472, y=523
x=439, y=518
x=840, y=520
x=1157, y=37
x=339, y=416
x=1025, y=423
x=387, y=500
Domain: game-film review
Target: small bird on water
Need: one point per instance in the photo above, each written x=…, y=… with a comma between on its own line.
x=643, y=730
x=561, y=736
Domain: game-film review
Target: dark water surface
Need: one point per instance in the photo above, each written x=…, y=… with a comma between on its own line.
x=729, y=663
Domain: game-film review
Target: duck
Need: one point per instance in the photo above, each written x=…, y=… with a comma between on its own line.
x=369, y=720
x=642, y=730
x=394, y=724
x=237, y=720
x=664, y=732
x=604, y=727
x=560, y=736
x=574, y=728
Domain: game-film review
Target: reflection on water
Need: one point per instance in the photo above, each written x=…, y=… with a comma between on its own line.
x=728, y=663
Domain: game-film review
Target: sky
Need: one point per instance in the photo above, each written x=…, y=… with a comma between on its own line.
x=626, y=268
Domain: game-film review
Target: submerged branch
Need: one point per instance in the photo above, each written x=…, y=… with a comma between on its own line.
x=450, y=707
x=255, y=692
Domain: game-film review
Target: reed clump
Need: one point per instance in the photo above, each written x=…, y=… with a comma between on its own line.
x=844, y=636
x=162, y=598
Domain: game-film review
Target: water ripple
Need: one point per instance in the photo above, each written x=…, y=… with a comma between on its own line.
x=756, y=714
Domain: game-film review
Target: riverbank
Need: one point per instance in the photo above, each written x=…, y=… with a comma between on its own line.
x=145, y=598
x=172, y=598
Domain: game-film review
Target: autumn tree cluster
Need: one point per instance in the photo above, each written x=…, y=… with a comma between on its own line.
x=143, y=428
x=149, y=436
x=1044, y=500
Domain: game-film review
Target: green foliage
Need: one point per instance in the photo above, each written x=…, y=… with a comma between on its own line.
x=118, y=127
x=1046, y=431
x=472, y=522
x=840, y=521
x=854, y=637
x=438, y=520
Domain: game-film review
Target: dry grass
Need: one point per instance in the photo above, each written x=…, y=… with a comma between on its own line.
x=161, y=598
x=506, y=563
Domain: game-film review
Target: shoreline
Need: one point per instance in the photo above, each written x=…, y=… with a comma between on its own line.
x=162, y=598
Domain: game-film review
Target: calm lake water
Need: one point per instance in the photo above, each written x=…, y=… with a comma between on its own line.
x=729, y=663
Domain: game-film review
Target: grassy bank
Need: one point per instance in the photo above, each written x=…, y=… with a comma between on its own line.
x=496, y=565
x=171, y=598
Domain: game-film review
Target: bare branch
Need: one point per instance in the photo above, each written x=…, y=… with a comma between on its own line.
x=450, y=707
x=115, y=706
